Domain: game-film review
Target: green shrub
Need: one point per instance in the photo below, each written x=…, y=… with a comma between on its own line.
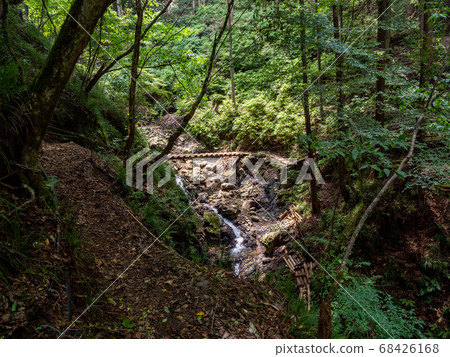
x=380, y=318
x=256, y=122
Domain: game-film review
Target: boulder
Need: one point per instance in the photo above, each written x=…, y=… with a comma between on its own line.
x=248, y=204
x=229, y=212
x=227, y=235
x=273, y=239
x=227, y=186
x=202, y=197
x=227, y=209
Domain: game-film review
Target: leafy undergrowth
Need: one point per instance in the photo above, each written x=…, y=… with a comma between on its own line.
x=398, y=270
x=32, y=284
x=257, y=122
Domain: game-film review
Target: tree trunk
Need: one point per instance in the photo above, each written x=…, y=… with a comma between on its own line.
x=315, y=206
x=320, y=84
x=337, y=23
x=119, y=9
x=140, y=8
x=383, y=43
x=230, y=21
x=324, y=329
x=56, y=71
x=426, y=57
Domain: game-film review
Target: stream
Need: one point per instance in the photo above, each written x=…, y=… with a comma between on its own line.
x=238, y=248
x=246, y=210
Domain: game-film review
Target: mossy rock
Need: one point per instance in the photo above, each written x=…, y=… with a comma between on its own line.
x=273, y=239
x=211, y=222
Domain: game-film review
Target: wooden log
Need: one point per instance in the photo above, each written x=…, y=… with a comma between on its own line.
x=306, y=271
x=308, y=294
x=288, y=263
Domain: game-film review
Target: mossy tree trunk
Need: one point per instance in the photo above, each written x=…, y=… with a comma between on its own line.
x=53, y=77
x=426, y=56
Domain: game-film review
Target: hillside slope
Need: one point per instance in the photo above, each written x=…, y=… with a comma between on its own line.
x=163, y=294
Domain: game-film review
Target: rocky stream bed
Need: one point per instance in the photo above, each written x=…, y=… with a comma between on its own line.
x=242, y=218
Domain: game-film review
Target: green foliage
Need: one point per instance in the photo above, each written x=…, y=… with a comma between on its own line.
x=16, y=244
x=256, y=121
x=382, y=318
x=304, y=321
x=129, y=324
x=169, y=215
x=430, y=168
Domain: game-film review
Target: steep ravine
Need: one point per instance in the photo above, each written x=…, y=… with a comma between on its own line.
x=246, y=208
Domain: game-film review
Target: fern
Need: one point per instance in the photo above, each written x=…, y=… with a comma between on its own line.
x=382, y=318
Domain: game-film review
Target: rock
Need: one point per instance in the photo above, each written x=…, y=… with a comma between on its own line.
x=213, y=186
x=249, y=204
x=211, y=167
x=211, y=222
x=266, y=260
x=273, y=239
x=227, y=235
x=255, y=218
x=227, y=186
x=227, y=210
x=249, y=271
x=202, y=197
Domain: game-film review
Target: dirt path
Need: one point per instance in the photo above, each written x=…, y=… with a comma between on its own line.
x=162, y=295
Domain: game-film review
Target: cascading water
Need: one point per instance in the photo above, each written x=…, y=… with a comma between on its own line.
x=238, y=238
x=238, y=248
x=180, y=183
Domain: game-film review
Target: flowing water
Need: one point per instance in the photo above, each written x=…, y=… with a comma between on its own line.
x=237, y=250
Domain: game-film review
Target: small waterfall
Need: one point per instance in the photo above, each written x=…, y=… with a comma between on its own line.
x=180, y=183
x=238, y=238
x=238, y=248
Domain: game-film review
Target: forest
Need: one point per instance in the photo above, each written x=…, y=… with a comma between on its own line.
x=225, y=169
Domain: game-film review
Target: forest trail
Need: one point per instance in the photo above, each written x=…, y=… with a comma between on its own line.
x=162, y=295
